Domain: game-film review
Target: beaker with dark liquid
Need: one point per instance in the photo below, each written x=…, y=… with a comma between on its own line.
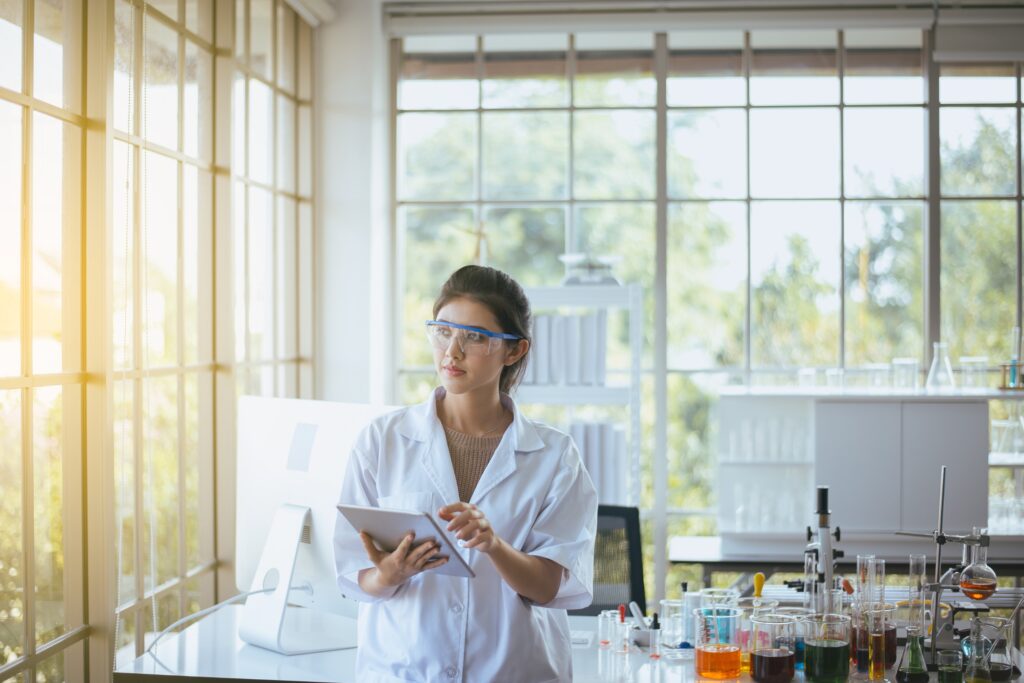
x=772, y=647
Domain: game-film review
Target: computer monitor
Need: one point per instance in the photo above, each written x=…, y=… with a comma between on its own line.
x=291, y=460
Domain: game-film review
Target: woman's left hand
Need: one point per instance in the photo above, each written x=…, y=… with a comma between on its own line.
x=470, y=526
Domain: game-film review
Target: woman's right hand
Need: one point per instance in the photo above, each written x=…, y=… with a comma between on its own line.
x=404, y=562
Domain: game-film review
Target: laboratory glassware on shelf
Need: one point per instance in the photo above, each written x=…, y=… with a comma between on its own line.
x=570, y=368
x=588, y=269
x=906, y=374
x=974, y=373
x=940, y=376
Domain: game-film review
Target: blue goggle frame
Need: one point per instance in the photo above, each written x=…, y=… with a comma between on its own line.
x=486, y=333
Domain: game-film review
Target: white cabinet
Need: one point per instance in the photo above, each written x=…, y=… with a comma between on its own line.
x=622, y=387
x=879, y=454
x=857, y=455
x=954, y=434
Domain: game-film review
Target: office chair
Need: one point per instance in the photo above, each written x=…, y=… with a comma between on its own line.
x=618, y=560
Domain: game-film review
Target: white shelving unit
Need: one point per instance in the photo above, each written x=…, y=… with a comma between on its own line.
x=879, y=452
x=628, y=298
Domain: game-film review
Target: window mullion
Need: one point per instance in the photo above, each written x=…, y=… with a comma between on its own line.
x=841, y=63
x=660, y=465
x=27, y=332
x=1020, y=200
x=747, y=316
x=933, y=226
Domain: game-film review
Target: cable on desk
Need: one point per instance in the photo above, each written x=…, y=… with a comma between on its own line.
x=210, y=610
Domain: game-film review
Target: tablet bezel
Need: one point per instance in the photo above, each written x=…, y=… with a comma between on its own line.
x=388, y=526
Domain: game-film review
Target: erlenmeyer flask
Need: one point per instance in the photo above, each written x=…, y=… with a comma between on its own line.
x=940, y=376
x=976, y=648
x=912, y=668
x=977, y=580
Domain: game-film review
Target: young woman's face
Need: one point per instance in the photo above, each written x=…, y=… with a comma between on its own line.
x=463, y=371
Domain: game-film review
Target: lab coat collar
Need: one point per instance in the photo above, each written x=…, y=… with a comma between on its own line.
x=420, y=420
x=421, y=423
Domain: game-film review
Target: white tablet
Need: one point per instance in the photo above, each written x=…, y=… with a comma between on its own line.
x=388, y=527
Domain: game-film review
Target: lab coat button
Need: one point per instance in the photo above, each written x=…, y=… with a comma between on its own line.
x=457, y=609
x=451, y=671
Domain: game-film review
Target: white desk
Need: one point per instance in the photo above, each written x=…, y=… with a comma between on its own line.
x=210, y=650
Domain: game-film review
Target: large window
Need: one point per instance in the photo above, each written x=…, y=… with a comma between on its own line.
x=162, y=333
x=795, y=201
x=273, y=212
x=42, y=380
x=120, y=360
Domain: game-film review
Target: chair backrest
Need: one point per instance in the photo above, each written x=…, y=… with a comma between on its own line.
x=618, y=560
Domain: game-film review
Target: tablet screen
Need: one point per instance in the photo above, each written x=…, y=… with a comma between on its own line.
x=387, y=527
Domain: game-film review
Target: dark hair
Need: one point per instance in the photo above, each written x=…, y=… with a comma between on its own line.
x=504, y=298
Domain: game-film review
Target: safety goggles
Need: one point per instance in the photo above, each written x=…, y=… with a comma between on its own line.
x=473, y=341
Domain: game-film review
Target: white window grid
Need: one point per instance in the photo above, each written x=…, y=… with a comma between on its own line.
x=658, y=373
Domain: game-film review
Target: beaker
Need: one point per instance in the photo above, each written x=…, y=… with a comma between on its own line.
x=950, y=666
x=1011, y=436
x=773, y=648
x=798, y=613
x=906, y=374
x=974, y=373
x=674, y=634
x=997, y=630
x=607, y=627
x=977, y=580
x=750, y=607
x=826, y=647
x=940, y=376
x=719, y=597
x=717, y=652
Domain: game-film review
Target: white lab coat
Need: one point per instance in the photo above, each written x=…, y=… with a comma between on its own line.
x=538, y=497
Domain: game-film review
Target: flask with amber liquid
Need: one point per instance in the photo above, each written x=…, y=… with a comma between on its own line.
x=977, y=580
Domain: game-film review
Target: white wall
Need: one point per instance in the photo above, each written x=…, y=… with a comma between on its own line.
x=351, y=128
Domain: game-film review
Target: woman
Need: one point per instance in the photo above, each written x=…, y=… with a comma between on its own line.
x=514, y=493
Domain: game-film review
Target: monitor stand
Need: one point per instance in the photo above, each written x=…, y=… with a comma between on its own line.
x=266, y=620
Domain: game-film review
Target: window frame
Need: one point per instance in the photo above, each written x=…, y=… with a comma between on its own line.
x=659, y=371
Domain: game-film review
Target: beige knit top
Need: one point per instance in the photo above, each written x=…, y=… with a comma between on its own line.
x=470, y=455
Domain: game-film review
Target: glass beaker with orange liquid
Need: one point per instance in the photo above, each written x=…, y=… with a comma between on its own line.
x=717, y=652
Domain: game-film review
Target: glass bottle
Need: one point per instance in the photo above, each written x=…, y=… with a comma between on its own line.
x=977, y=580
x=940, y=376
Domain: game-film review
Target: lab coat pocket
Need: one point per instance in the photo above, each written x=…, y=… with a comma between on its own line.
x=421, y=501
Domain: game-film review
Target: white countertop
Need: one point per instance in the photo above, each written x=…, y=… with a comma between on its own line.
x=862, y=393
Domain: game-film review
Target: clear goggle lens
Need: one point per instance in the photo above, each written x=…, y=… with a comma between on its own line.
x=471, y=341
